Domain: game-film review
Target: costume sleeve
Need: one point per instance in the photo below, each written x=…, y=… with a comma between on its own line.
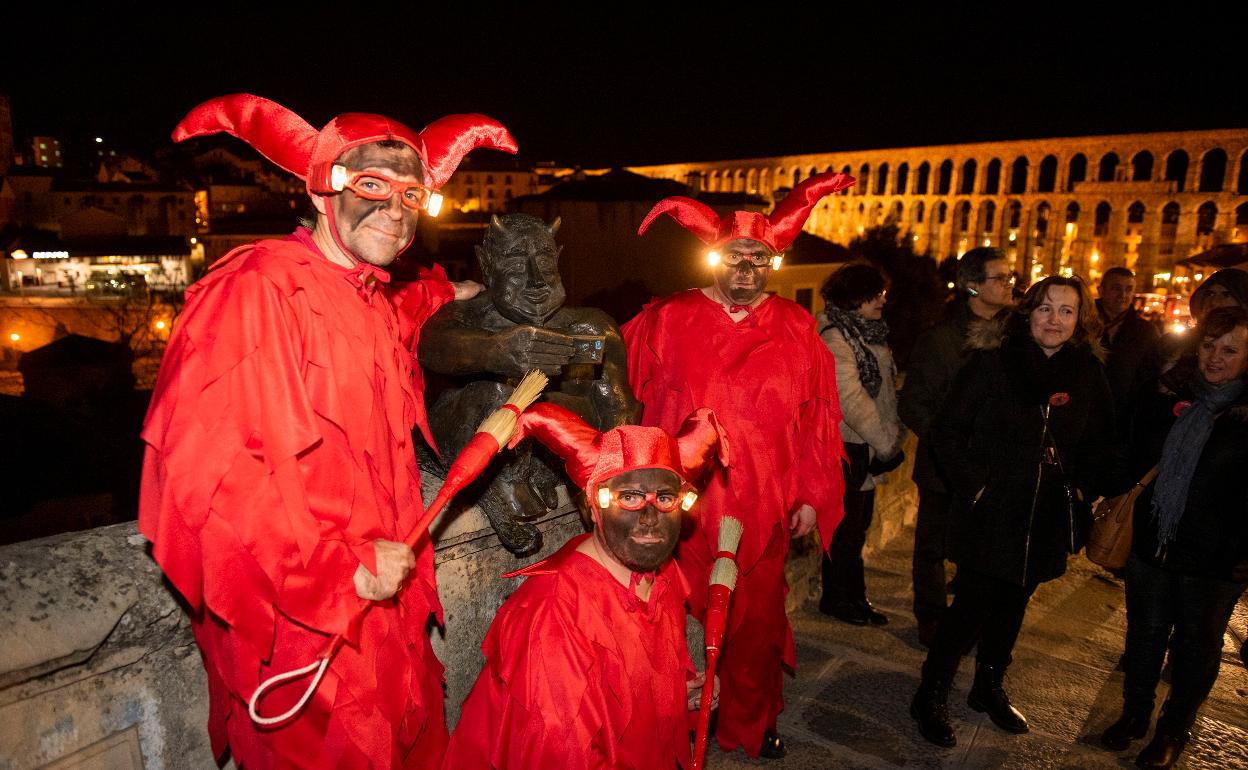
x=821, y=483
x=641, y=359
x=920, y=395
x=223, y=496
x=953, y=427
x=417, y=300
x=552, y=708
x=858, y=408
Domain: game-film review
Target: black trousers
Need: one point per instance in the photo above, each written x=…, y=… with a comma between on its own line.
x=843, y=578
x=931, y=535
x=983, y=606
x=1197, y=610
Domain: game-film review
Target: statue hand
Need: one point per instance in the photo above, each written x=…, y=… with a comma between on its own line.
x=523, y=348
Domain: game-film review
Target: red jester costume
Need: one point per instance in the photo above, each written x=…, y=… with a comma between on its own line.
x=586, y=663
x=279, y=448
x=753, y=358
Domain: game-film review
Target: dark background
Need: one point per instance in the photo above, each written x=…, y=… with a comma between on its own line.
x=600, y=84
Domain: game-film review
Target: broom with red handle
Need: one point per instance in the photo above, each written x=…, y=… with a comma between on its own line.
x=723, y=580
x=493, y=434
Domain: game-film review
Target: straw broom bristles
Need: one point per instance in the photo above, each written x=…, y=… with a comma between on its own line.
x=724, y=571
x=729, y=534
x=502, y=422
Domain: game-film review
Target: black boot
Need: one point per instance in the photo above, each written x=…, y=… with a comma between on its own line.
x=931, y=710
x=1129, y=727
x=1163, y=750
x=987, y=695
x=773, y=745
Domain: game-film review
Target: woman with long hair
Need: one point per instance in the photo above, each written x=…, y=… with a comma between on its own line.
x=1189, y=551
x=1024, y=438
x=852, y=326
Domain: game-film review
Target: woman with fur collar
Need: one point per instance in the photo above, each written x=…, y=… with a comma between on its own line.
x=1024, y=438
x=1189, y=560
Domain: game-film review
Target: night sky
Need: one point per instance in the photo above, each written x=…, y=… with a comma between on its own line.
x=601, y=84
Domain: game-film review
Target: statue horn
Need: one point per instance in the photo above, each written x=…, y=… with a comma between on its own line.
x=554, y=226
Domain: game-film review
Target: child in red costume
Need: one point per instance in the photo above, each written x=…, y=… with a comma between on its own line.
x=586, y=663
x=279, y=478
x=756, y=360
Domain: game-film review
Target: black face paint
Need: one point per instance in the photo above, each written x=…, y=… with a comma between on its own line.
x=743, y=283
x=376, y=231
x=641, y=540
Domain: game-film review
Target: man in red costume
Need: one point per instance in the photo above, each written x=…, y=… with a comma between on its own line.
x=586, y=663
x=756, y=360
x=279, y=480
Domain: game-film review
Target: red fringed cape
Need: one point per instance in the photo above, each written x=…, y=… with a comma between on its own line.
x=278, y=448
x=579, y=674
x=772, y=383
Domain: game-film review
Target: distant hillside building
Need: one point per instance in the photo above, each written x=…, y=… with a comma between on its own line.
x=45, y=152
x=1076, y=204
x=61, y=232
x=6, y=134
x=488, y=182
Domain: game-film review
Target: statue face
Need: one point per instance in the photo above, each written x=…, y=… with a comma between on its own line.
x=520, y=262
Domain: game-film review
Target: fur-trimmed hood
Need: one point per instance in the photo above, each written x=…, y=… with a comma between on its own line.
x=988, y=334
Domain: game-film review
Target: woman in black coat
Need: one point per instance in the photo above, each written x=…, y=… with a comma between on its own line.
x=1189, y=560
x=1024, y=438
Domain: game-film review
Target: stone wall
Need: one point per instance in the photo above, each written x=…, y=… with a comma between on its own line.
x=98, y=668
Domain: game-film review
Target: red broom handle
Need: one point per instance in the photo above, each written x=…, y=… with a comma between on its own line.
x=716, y=623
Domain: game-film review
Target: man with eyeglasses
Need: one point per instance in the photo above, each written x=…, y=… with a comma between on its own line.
x=279, y=479
x=586, y=664
x=756, y=360
x=985, y=287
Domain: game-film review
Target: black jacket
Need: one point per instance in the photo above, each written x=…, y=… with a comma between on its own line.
x=1132, y=347
x=1212, y=538
x=938, y=354
x=1032, y=513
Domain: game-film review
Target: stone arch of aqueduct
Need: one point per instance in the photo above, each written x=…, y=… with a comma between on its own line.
x=1079, y=204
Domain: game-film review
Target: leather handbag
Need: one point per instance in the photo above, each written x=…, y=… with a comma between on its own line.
x=1109, y=541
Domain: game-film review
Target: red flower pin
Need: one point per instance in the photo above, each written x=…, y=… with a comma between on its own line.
x=1059, y=399
x=1180, y=407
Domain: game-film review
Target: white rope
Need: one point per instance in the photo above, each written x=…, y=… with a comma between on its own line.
x=276, y=680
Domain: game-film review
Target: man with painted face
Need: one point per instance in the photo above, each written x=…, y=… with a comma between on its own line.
x=279, y=480
x=520, y=323
x=756, y=360
x=586, y=664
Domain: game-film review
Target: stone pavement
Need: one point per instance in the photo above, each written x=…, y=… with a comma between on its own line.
x=848, y=706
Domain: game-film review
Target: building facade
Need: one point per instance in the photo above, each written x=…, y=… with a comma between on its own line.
x=1068, y=205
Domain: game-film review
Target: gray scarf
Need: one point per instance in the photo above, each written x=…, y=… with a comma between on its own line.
x=860, y=332
x=1182, y=450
